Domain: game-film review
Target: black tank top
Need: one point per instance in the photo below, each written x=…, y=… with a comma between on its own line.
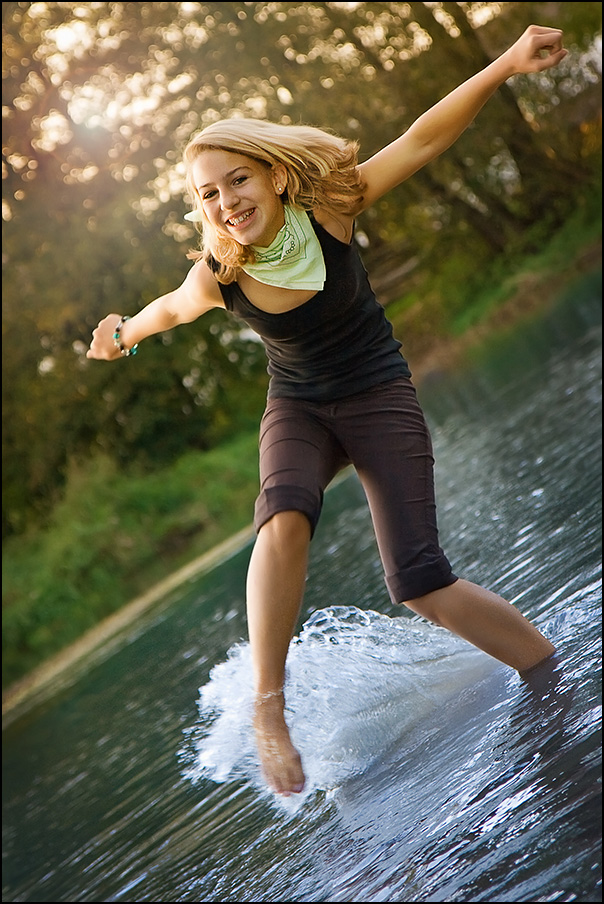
x=336, y=344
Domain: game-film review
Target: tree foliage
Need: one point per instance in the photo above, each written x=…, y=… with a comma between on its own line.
x=100, y=98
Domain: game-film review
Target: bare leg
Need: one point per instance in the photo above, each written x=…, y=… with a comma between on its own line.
x=487, y=621
x=275, y=588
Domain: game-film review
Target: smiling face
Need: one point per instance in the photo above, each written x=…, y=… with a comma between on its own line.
x=240, y=196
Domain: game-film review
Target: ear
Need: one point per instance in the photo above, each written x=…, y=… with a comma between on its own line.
x=279, y=177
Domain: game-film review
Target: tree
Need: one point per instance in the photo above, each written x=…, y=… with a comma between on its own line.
x=99, y=101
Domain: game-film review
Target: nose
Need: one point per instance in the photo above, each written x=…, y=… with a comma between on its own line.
x=228, y=200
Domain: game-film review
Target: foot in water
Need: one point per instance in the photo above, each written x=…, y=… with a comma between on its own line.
x=279, y=759
x=545, y=683
x=549, y=697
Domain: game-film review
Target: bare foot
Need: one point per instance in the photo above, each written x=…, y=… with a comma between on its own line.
x=280, y=761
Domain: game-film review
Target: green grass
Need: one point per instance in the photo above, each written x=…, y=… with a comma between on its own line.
x=556, y=257
x=465, y=292
x=114, y=535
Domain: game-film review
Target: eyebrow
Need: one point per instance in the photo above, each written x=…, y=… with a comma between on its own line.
x=226, y=176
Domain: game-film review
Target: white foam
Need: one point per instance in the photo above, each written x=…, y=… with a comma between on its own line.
x=356, y=682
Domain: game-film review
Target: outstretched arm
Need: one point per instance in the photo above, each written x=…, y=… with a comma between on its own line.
x=436, y=130
x=197, y=294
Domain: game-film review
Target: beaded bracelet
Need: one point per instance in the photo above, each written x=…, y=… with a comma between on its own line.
x=126, y=352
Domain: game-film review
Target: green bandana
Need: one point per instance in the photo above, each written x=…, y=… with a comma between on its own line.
x=294, y=259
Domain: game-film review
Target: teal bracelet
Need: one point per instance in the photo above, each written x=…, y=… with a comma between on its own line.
x=126, y=352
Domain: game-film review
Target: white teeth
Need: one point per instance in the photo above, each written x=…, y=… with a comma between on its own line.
x=235, y=221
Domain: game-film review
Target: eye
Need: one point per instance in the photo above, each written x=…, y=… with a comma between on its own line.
x=208, y=195
x=239, y=180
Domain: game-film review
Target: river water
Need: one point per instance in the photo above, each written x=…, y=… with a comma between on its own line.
x=433, y=773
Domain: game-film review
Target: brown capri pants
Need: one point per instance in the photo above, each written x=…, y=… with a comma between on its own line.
x=382, y=432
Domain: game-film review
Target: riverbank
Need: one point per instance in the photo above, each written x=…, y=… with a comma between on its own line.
x=534, y=294
x=99, y=642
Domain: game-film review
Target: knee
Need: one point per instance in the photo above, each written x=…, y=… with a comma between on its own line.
x=437, y=605
x=289, y=530
x=427, y=606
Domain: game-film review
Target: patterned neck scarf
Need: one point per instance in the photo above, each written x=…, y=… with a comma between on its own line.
x=294, y=259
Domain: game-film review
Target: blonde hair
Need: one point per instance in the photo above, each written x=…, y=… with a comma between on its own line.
x=321, y=172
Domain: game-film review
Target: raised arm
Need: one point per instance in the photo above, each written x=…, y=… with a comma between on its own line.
x=436, y=130
x=197, y=294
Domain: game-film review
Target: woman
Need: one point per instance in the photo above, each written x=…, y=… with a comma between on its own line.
x=277, y=206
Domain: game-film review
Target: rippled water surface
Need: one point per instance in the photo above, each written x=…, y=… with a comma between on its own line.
x=433, y=773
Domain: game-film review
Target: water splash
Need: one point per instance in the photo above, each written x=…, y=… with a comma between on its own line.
x=356, y=683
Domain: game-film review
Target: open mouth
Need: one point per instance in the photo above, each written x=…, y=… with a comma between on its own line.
x=240, y=218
